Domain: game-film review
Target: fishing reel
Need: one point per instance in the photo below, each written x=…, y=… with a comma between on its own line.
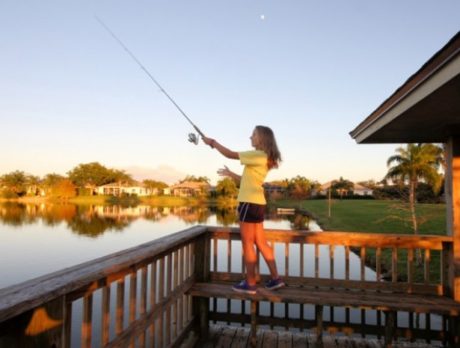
x=193, y=138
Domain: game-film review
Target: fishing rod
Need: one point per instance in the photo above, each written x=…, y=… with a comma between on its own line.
x=191, y=137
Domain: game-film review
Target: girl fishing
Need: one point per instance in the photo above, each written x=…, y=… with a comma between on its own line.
x=251, y=198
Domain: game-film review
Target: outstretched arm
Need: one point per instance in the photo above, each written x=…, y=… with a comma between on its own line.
x=222, y=149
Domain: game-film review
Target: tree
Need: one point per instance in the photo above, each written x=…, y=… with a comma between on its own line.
x=14, y=184
x=372, y=184
x=33, y=184
x=227, y=188
x=50, y=180
x=342, y=186
x=93, y=174
x=64, y=189
x=415, y=163
x=299, y=187
x=154, y=185
x=119, y=176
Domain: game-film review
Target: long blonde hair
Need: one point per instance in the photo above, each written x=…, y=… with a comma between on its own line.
x=269, y=146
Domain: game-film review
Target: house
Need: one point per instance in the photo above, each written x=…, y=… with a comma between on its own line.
x=189, y=189
x=324, y=188
x=426, y=109
x=358, y=189
x=117, y=189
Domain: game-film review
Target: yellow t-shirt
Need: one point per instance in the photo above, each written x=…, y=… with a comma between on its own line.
x=254, y=173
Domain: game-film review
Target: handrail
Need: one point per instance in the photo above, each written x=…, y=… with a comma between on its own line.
x=19, y=298
x=343, y=238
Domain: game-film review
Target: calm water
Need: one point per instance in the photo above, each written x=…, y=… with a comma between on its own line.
x=36, y=239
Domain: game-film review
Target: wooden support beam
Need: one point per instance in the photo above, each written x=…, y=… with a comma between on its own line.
x=202, y=271
x=253, y=338
x=452, y=189
x=319, y=325
x=390, y=320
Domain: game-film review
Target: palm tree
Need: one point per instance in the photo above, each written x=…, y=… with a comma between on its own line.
x=415, y=163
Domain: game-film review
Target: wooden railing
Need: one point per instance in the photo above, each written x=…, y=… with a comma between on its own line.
x=133, y=297
x=298, y=256
x=138, y=297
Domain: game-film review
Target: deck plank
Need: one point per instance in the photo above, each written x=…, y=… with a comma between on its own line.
x=299, y=340
x=270, y=339
x=241, y=338
x=329, y=342
x=226, y=338
x=260, y=338
x=285, y=339
x=215, y=332
x=238, y=337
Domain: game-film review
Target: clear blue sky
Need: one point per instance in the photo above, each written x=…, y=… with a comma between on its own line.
x=311, y=70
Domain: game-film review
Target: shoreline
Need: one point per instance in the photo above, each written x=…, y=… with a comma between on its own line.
x=111, y=200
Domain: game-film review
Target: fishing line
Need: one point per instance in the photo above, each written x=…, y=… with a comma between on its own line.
x=191, y=137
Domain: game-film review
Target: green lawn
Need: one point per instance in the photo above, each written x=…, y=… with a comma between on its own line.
x=378, y=217
x=372, y=215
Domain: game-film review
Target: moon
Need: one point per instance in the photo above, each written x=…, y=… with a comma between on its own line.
x=262, y=16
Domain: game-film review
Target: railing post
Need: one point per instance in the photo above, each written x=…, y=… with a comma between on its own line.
x=447, y=268
x=319, y=326
x=202, y=270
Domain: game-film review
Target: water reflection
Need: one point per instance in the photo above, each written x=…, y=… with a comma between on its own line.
x=94, y=220
x=55, y=236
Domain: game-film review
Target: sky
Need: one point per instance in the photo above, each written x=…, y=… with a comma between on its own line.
x=310, y=70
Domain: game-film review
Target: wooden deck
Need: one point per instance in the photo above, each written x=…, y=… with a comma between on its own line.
x=222, y=336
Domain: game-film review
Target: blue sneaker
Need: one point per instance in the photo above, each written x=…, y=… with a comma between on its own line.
x=274, y=284
x=245, y=288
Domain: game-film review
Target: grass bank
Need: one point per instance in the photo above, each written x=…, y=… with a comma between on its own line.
x=373, y=216
x=87, y=200
x=164, y=201
x=161, y=201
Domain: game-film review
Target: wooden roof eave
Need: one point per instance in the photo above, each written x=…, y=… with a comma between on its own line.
x=439, y=71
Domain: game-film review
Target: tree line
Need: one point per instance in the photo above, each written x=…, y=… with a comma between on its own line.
x=81, y=180
x=413, y=175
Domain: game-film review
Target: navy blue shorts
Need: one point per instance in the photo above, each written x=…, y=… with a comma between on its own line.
x=251, y=212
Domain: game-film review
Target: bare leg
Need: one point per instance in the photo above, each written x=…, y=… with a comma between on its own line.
x=265, y=249
x=248, y=239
